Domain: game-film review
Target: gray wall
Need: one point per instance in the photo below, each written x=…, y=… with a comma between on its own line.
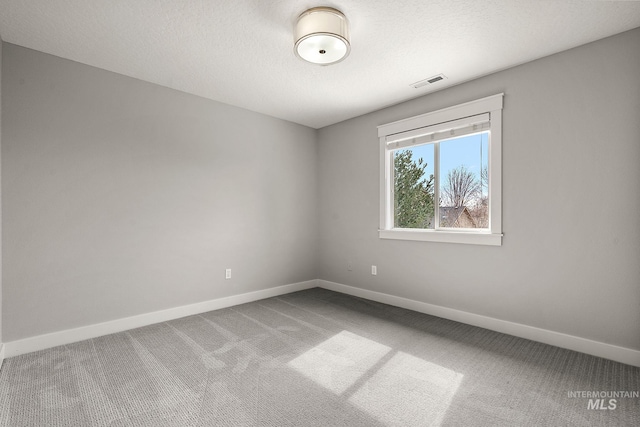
x=122, y=197
x=0, y=191
x=570, y=259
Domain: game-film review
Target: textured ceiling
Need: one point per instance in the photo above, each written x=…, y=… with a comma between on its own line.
x=240, y=52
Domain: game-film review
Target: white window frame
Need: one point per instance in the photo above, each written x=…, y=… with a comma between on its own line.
x=444, y=120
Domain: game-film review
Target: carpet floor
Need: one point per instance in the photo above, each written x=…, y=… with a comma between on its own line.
x=314, y=358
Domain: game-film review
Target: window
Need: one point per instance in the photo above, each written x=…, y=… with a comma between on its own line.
x=440, y=175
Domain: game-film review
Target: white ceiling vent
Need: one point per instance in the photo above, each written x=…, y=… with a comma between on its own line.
x=429, y=81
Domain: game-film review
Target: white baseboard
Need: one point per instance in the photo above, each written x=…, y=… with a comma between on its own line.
x=54, y=339
x=583, y=345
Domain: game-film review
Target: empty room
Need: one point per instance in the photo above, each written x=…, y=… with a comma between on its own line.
x=345, y=213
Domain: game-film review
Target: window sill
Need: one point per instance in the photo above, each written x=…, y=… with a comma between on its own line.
x=464, y=237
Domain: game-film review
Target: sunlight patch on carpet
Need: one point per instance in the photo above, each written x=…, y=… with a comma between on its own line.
x=406, y=389
x=337, y=363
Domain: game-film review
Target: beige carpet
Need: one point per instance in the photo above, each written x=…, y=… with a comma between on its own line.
x=313, y=358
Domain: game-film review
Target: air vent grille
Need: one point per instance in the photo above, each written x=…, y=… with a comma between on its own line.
x=429, y=81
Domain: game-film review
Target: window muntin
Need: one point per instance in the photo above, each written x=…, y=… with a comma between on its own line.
x=452, y=156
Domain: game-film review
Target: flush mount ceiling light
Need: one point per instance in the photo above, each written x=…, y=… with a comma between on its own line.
x=322, y=36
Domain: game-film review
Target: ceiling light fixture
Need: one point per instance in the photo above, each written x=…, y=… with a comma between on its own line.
x=322, y=36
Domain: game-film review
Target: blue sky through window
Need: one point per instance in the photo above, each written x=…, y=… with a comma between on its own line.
x=471, y=151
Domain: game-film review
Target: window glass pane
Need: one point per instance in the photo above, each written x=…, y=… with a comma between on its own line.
x=463, y=181
x=414, y=187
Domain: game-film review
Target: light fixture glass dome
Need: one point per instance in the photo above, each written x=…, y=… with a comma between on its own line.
x=322, y=36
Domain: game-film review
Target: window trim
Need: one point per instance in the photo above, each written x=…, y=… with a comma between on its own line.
x=414, y=126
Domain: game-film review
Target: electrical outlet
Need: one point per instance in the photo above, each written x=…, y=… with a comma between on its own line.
x=374, y=270
x=227, y=273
